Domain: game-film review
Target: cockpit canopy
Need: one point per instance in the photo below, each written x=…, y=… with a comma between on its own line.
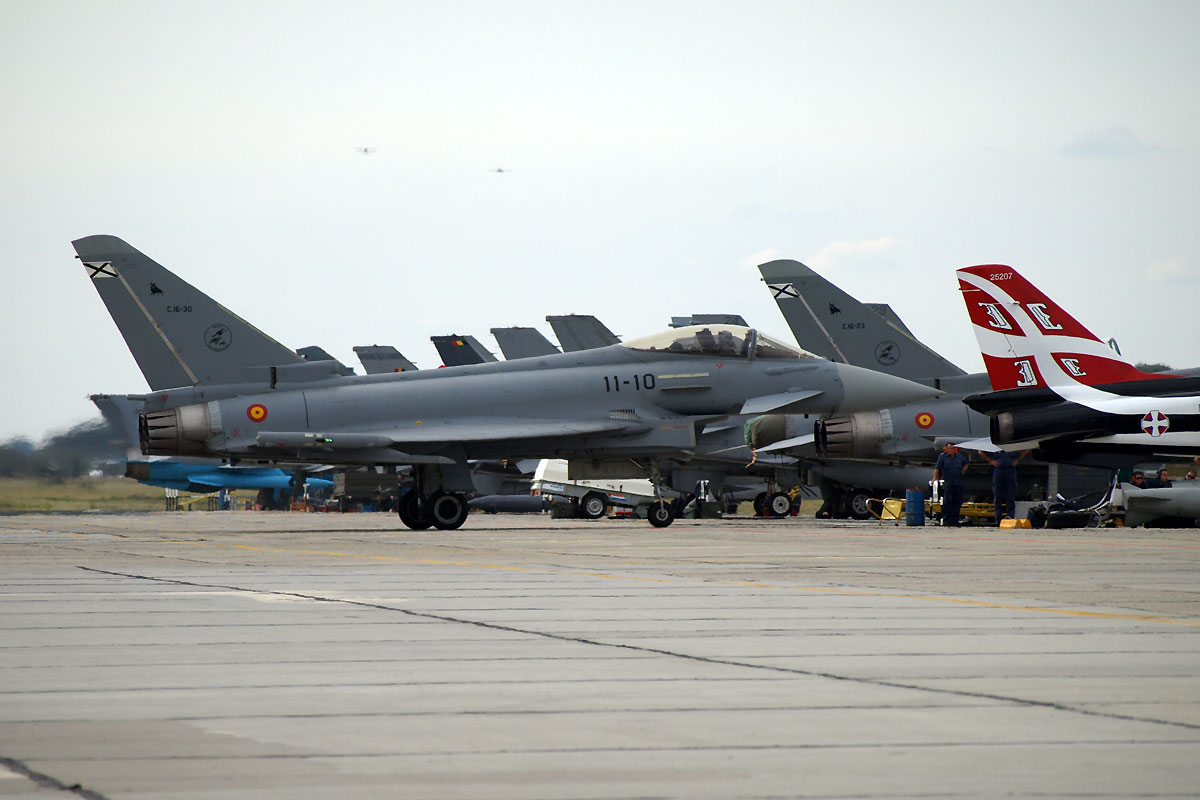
x=733, y=341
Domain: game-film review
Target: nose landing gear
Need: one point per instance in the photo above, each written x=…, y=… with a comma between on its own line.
x=661, y=513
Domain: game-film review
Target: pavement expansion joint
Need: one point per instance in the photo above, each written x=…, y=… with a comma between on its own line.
x=49, y=781
x=1053, y=706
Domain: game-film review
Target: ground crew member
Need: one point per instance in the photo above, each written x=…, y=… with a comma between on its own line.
x=949, y=469
x=1004, y=482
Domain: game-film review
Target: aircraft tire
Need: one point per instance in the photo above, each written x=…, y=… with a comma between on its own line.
x=661, y=514
x=856, y=504
x=779, y=505
x=760, y=503
x=593, y=505
x=412, y=514
x=448, y=510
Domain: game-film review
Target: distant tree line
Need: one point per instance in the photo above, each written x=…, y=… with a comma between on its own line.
x=70, y=454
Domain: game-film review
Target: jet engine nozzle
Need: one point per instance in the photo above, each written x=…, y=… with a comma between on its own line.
x=857, y=436
x=1002, y=428
x=174, y=431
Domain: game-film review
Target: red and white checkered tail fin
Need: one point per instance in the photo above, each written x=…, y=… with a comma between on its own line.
x=1028, y=340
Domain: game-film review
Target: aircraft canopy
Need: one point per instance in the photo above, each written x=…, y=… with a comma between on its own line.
x=716, y=340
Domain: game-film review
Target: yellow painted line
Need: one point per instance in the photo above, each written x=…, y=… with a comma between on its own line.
x=962, y=601
x=748, y=584
x=443, y=563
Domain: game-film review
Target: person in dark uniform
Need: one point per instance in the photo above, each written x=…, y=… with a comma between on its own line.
x=1004, y=482
x=1163, y=481
x=1138, y=479
x=949, y=469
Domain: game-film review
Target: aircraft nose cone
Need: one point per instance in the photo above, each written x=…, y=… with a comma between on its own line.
x=867, y=390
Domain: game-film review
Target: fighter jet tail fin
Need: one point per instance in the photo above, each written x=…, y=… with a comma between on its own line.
x=178, y=335
x=832, y=324
x=315, y=353
x=382, y=358
x=458, y=351
x=581, y=332
x=1029, y=341
x=516, y=342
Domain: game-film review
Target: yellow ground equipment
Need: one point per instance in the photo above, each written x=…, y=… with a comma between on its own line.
x=894, y=509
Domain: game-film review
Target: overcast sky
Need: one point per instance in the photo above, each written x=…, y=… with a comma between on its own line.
x=654, y=153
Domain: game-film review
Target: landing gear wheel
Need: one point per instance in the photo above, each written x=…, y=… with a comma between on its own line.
x=779, y=505
x=661, y=514
x=447, y=510
x=760, y=504
x=413, y=512
x=856, y=504
x=593, y=505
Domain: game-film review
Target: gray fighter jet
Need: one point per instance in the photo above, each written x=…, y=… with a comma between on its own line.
x=641, y=401
x=644, y=401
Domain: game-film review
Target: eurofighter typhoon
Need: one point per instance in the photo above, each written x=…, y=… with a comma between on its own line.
x=640, y=401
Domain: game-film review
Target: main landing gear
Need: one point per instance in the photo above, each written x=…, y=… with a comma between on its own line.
x=445, y=511
x=441, y=508
x=773, y=504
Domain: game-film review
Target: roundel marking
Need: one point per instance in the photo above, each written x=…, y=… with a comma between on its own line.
x=924, y=420
x=1156, y=423
x=218, y=337
x=887, y=353
x=257, y=412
